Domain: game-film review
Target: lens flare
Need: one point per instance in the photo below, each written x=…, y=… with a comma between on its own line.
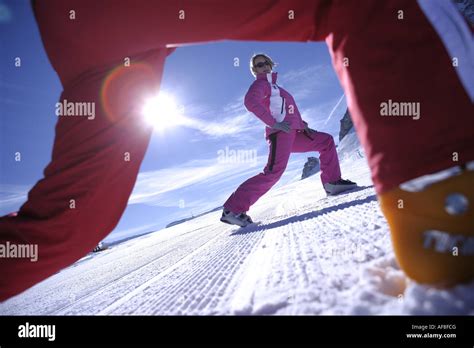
x=162, y=112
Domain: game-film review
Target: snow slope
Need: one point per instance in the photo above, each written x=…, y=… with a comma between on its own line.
x=310, y=254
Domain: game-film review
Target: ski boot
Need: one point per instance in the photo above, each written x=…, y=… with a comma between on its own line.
x=431, y=219
x=240, y=219
x=336, y=187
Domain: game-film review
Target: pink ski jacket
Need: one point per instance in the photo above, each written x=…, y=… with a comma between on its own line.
x=271, y=103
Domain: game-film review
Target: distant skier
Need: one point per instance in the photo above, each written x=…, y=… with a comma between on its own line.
x=286, y=133
x=394, y=52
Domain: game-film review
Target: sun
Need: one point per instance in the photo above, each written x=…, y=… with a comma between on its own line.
x=162, y=112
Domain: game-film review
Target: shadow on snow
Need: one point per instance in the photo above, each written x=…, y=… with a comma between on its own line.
x=309, y=215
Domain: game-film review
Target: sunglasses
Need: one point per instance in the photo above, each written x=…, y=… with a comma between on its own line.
x=262, y=64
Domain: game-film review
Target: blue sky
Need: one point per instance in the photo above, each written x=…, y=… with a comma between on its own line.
x=183, y=172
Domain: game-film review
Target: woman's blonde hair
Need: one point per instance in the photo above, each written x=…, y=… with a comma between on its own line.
x=255, y=56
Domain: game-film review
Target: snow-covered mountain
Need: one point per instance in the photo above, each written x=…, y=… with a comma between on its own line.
x=309, y=254
x=311, y=167
x=346, y=125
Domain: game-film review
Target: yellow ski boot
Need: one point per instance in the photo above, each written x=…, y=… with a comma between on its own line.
x=432, y=226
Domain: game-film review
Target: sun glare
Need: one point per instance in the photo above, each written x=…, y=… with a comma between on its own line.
x=162, y=112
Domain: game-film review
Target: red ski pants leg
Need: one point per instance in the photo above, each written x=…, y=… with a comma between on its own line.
x=403, y=86
x=93, y=169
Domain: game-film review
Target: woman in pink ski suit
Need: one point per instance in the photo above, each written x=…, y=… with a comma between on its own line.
x=286, y=132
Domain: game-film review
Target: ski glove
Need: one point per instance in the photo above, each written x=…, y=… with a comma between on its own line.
x=283, y=126
x=308, y=130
